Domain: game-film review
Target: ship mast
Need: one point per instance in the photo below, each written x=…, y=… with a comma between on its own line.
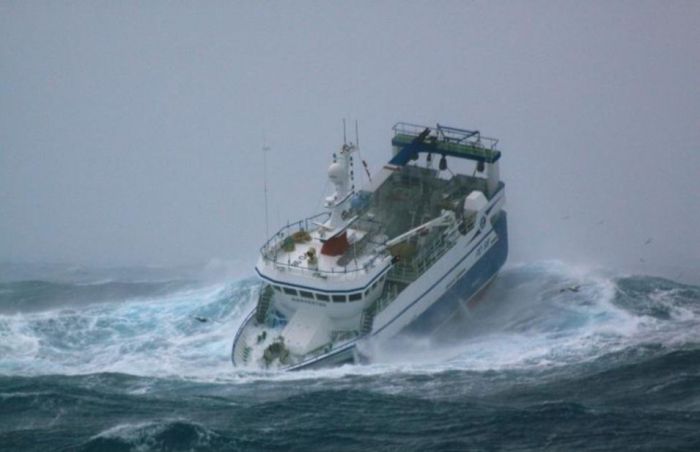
x=342, y=175
x=265, y=150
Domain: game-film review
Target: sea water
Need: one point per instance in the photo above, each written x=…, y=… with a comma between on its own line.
x=552, y=357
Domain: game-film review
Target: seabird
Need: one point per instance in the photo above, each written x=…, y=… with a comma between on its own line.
x=574, y=288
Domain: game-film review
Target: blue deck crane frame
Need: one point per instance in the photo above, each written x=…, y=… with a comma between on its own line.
x=413, y=139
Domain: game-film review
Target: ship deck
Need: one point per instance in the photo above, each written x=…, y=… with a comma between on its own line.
x=357, y=258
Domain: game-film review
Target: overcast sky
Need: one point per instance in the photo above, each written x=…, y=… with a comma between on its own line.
x=130, y=132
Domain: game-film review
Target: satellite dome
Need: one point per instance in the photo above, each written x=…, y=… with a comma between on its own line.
x=336, y=172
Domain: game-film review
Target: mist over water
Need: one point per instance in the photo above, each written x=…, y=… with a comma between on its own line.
x=547, y=347
x=131, y=134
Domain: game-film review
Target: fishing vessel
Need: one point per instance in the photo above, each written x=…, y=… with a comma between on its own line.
x=403, y=253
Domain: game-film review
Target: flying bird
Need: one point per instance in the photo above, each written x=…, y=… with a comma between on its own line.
x=574, y=288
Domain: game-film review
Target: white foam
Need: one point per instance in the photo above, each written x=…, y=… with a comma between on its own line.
x=149, y=337
x=526, y=321
x=141, y=436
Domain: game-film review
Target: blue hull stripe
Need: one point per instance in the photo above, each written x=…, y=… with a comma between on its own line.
x=320, y=360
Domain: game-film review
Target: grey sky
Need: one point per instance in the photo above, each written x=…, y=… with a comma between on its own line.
x=130, y=132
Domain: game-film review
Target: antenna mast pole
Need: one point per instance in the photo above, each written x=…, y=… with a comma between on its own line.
x=357, y=144
x=345, y=140
x=265, y=149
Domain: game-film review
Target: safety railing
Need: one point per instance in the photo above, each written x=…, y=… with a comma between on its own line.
x=309, y=224
x=271, y=250
x=447, y=134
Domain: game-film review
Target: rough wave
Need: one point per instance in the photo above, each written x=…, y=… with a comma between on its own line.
x=552, y=356
x=140, y=335
x=533, y=316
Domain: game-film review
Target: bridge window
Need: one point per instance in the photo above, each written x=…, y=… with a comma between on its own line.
x=355, y=296
x=289, y=291
x=339, y=298
x=277, y=288
x=322, y=297
x=306, y=294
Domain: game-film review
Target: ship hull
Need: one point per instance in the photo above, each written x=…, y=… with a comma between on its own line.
x=341, y=355
x=464, y=283
x=467, y=287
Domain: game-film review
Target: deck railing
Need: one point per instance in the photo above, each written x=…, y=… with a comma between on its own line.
x=309, y=224
x=271, y=249
x=447, y=134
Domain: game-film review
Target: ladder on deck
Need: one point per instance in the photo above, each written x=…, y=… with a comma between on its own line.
x=367, y=320
x=264, y=300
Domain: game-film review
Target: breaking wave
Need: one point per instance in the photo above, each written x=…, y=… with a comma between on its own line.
x=186, y=332
x=533, y=316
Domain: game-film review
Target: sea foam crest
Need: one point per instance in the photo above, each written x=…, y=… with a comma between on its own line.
x=533, y=316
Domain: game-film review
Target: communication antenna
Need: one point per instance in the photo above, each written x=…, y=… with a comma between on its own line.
x=265, y=150
x=357, y=145
x=345, y=140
